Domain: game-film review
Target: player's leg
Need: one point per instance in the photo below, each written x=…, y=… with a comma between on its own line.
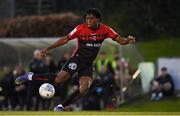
x=85, y=83
x=50, y=78
x=68, y=69
x=62, y=76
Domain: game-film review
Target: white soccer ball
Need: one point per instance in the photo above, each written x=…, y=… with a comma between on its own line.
x=46, y=91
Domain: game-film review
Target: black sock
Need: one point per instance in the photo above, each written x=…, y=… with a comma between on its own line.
x=72, y=98
x=44, y=77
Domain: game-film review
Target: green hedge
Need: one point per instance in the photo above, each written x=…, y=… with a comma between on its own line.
x=39, y=26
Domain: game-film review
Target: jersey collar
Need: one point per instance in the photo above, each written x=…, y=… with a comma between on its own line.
x=96, y=28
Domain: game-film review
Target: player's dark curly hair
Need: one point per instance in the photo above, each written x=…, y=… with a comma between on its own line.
x=94, y=11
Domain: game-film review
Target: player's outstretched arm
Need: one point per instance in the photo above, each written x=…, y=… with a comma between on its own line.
x=58, y=43
x=125, y=41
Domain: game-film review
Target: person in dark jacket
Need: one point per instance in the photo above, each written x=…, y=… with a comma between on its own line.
x=162, y=86
x=8, y=88
x=50, y=65
x=20, y=90
x=37, y=66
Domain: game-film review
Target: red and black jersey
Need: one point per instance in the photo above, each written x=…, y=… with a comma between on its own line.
x=89, y=40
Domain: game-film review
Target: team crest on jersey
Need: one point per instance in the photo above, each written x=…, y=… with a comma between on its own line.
x=72, y=66
x=94, y=38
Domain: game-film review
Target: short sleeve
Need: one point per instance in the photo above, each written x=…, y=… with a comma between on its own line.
x=111, y=33
x=74, y=33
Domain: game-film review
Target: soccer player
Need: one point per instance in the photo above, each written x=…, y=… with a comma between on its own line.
x=90, y=36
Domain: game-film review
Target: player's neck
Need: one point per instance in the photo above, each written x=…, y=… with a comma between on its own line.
x=95, y=27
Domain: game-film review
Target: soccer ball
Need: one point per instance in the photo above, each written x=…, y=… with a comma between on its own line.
x=46, y=90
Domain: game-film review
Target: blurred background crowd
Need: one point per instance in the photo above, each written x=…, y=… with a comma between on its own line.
x=109, y=76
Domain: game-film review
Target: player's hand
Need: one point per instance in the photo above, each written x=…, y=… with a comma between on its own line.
x=44, y=52
x=131, y=39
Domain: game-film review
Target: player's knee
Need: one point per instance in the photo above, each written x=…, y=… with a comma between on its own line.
x=61, y=77
x=83, y=89
x=85, y=85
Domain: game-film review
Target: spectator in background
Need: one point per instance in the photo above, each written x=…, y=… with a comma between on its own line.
x=122, y=72
x=127, y=70
x=162, y=86
x=50, y=64
x=37, y=66
x=118, y=72
x=20, y=90
x=101, y=61
x=107, y=78
x=113, y=63
x=8, y=87
x=62, y=61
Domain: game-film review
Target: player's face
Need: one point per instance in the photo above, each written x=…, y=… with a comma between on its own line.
x=92, y=21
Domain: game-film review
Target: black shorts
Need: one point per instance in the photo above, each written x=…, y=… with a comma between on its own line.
x=74, y=64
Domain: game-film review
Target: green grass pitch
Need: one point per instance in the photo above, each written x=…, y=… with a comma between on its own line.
x=87, y=113
x=141, y=106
